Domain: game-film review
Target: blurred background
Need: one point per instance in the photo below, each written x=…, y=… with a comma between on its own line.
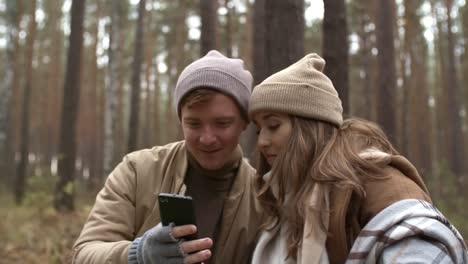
x=85, y=81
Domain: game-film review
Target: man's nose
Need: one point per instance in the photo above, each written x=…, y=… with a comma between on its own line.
x=207, y=137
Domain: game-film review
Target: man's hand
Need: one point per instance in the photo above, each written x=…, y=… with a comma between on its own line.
x=165, y=245
x=195, y=251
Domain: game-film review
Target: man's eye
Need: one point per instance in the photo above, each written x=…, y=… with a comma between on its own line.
x=193, y=125
x=224, y=124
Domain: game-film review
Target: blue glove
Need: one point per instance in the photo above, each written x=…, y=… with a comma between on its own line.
x=156, y=246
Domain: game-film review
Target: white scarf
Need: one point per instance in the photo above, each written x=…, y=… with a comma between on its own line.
x=272, y=245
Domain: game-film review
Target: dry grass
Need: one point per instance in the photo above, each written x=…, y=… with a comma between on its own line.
x=36, y=233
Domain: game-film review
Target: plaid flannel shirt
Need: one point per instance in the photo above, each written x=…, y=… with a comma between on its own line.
x=409, y=231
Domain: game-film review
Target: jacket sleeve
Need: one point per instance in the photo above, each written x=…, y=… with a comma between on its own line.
x=110, y=227
x=418, y=250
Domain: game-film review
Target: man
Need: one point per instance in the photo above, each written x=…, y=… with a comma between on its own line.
x=211, y=96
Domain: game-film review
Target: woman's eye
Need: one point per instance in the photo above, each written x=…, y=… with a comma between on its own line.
x=273, y=127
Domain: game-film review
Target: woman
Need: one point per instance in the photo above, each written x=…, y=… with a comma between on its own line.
x=334, y=190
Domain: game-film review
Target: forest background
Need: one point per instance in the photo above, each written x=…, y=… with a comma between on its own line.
x=85, y=81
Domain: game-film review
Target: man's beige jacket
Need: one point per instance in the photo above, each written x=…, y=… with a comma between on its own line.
x=127, y=207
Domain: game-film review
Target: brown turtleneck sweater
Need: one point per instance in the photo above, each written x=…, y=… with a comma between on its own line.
x=209, y=189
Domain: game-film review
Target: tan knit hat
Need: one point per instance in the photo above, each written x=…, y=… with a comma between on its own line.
x=301, y=89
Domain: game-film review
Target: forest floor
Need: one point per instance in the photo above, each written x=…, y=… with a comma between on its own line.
x=35, y=233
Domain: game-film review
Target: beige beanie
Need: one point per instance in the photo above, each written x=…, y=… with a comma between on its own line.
x=301, y=89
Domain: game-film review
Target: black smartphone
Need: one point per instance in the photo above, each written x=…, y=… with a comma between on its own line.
x=177, y=209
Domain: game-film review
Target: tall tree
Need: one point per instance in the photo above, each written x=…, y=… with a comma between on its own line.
x=64, y=192
x=110, y=116
x=464, y=60
x=176, y=61
x=456, y=148
x=335, y=48
x=362, y=73
x=134, y=121
x=21, y=171
x=246, y=39
x=272, y=51
x=416, y=113
x=386, y=75
x=228, y=26
x=8, y=100
x=90, y=125
x=53, y=81
x=149, y=39
x=209, y=15
x=123, y=76
x=439, y=87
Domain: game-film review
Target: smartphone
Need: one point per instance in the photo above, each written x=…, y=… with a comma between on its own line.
x=177, y=209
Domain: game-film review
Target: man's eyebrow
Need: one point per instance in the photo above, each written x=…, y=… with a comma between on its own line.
x=192, y=119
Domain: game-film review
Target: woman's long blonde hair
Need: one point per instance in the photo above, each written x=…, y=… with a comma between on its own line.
x=317, y=153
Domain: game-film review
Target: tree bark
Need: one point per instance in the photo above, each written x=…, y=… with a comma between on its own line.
x=456, y=146
x=335, y=48
x=273, y=52
x=386, y=75
x=21, y=172
x=7, y=97
x=362, y=97
x=149, y=39
x=417, y=134
x=228, y=27
x=65, y=190
x=208, y=14
x=134, y=122
x=110, y=116
x=53, y=81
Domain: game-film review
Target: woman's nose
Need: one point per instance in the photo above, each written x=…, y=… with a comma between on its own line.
x=262, y=140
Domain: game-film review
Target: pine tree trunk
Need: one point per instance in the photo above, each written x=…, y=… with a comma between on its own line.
x=442, y=131
x=228, y=27
x=418, y=115
x=111, y=89
x=7, y=95
x=147, y=126
x=456, y=146
x=209, y=15
x=335, y=48
x=64, y=192
x=386, y=98
x=272, y=51
x=362, y=96
x=53, y=76
x=134, y=122
x=91, y=152
x=21, y=172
